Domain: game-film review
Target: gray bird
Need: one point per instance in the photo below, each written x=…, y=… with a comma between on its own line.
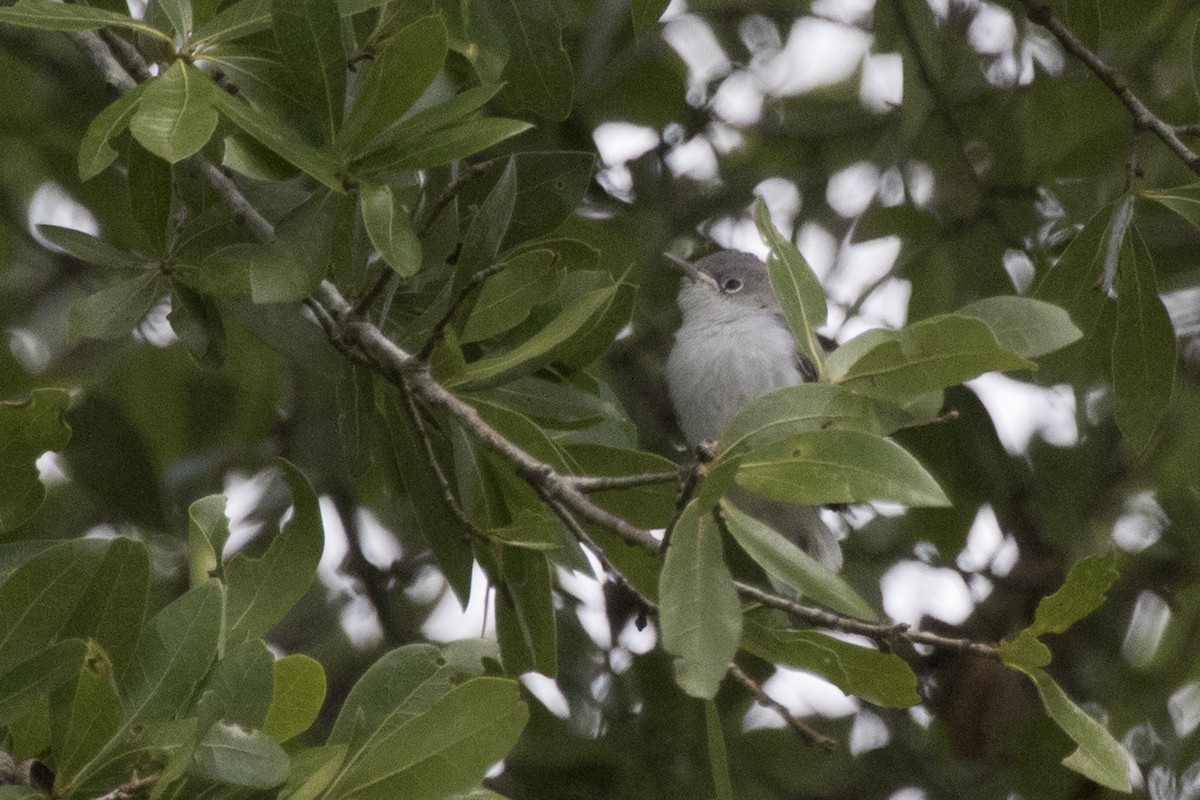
x=733, y=347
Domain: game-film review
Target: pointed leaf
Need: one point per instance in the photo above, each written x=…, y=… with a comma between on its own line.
x=445, y=750
x=179, y=13
x=795, y=285
x=525, y=613
x=699, y=610
x=506, y=299
x=538, y=349
x=931, y=354
x=278, y=137
x=1143, y=365
x=197, y=322
x=40, y=597
x=309, y=36
x=399, y=73
x=391, y=230
x=262, y=590
x=234, y=755
x=91, y=249
x=832, y=466
x=51, y=16
x=84, y=717
x=235, y=21
x=482, y=240
x=880, y=678
x=808, y=407
x=538, y=69
x=27, y=430
x=1025, y=326
x=786, y=562
x=1099, y=757
x=439, y=147
x=297, y=699
x=208, y=530
x=95, y=151
x=111, y=610
x=115, y=310
x=175, y=117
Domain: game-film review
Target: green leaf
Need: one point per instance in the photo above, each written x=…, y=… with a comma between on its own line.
x=168, y=745
x=84, y=717
x=1183, y=200
x=238, y=690
x=39, y=675
x=1081, y=593
x=111, y=610
x=698, y=607
x=40, y=597
x=278, y=137
x=525, y=613
x=197, y=322
x=786, y=562
x=539, y=349
x=235, y=21
x=20, y=793
x=175, y=116
x=447, y=749
x=538, y=69
x=1099, y=756
x=927, y=355
x=391, y=230
x=262, y=590
x=208, y=530
x=795, y=285
x=95, y=151
x=1025, y=326
x=91, y=249
x=28, y=429
x=482, y=240
x=298, y=696
x=399, y=73
x=309, y=36
x=506, y=299
x=880, y=678
x=649, y=506
x=313, y=769
x=440, y=147
x=718, y=756
x=115, y=310
x=357, y=416
x=550, y=187
x=231, y=754
x=440, y=527
x=808, y=407
x=1143, y=365
x=1024, y=651
x=1074, y=284
x=50, y=16
x=832, y=466
x=401, y=685
x=172, y=656
x=645, y=14
x=150, y=195
x=179, y=12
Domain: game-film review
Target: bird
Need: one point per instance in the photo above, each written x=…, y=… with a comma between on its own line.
x=732, y=347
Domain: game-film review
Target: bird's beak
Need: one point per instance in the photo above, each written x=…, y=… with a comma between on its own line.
x=688, y=271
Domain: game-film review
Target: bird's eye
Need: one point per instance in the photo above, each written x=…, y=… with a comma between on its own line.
x=731, y=285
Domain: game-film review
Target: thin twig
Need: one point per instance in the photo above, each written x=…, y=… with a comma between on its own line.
x=802, y=728
x=586, y=541
x=1114, y=80
x=414, y=416
x=439, y=329
x=689, y=478
x=600, y=483
x=116, y=77
x=451, y=191
x=882, y=634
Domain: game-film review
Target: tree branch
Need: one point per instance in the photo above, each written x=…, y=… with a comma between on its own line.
x=1114, y=80
x=802, y=728
x=129, y=789
x=364, y=342
x=600, y=483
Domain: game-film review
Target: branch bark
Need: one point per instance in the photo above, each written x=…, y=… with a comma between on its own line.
x=1114, y=80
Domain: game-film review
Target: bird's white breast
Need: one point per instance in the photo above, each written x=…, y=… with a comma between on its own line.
x=719, y=366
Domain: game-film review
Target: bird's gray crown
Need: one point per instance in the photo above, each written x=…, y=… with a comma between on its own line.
x=729, y=279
